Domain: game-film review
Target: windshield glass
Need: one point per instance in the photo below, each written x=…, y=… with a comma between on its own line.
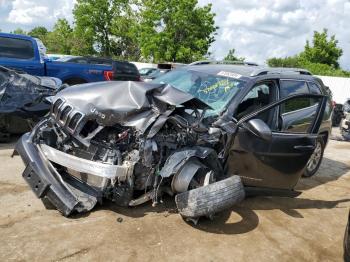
x=214, y=90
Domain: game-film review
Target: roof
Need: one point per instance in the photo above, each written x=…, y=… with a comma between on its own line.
x=246, y=70
x=27, y=37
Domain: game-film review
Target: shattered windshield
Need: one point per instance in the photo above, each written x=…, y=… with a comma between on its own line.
x=214, y=90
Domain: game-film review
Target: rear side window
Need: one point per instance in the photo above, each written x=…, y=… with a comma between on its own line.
x=16, y=48
x=314, y=89
x=288, y=88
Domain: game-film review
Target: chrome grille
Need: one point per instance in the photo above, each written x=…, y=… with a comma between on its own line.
x=65, y=115
x=56, y=106
x=74, y=121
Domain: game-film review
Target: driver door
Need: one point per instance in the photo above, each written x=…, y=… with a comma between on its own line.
x=279, y=161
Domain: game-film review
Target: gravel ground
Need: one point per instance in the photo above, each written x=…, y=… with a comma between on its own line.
x=307, y=228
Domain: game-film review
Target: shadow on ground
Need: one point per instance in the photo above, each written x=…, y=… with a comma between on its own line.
x=221, y=223
x=329, y=171
x=9, y=143
x=250, y=220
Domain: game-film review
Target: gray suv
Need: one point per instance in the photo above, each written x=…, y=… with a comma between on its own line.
x=207, y=134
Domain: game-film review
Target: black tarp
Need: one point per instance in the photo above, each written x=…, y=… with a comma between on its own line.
x=24, y=93
x=22, y=100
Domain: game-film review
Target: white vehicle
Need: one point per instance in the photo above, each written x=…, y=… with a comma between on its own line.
x=345, y=122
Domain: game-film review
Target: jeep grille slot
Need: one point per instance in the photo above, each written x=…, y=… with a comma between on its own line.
x=74, y=121
x=65, y=113
x=56, y=106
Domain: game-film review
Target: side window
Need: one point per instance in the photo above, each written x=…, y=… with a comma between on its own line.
x=16, y=48
x=298, y=114
x=261, y=95
x=288, y=88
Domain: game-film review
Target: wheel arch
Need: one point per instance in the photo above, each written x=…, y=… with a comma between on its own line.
x=178, y=159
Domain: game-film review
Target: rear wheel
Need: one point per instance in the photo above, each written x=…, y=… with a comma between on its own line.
x=316, y=158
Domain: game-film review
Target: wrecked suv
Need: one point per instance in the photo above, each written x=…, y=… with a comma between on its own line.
x=207, y=134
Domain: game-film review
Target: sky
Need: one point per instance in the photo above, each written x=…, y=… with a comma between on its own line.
x=257, y=29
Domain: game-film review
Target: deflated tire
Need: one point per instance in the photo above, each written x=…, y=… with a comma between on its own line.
x=210, y=199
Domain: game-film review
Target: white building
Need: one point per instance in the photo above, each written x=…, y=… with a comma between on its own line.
x=340, y=87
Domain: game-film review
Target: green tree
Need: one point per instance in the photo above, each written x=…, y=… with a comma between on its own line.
x=176, y=30
x=232, y=57
x=19, y=31
x=61, y=38
x=105, y=25
x=320, y=59
x=322, y=51
x=39, y=32
x=289, y=61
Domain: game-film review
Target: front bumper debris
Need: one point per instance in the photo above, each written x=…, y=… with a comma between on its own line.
x=43, y=179
x=68, y=193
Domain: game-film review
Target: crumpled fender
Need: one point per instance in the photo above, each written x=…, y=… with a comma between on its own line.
x=176, y=161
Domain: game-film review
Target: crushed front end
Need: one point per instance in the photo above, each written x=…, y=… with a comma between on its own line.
x=125, y=149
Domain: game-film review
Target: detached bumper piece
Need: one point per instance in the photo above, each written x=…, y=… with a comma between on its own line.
x=66, y=193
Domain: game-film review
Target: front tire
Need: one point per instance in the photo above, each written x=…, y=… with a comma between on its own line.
x=316, y=159
x=210, y=199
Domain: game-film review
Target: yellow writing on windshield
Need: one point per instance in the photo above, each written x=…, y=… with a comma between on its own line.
x=225, y=84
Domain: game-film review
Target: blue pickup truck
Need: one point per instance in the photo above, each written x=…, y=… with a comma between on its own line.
x=28, y=54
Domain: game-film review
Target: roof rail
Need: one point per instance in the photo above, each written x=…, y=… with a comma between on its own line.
x=227, y=62
x=223, y=62
x=279, y=70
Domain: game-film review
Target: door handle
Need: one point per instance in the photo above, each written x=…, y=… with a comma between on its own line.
x=304, y=148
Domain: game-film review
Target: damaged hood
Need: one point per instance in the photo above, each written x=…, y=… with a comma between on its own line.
x=23, y=92
x=128, y=103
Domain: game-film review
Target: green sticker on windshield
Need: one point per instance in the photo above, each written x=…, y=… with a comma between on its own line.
x=229, y=74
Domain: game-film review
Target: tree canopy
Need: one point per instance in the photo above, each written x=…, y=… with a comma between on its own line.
x=19, y=31
x=322, y=50
x=39, y=32
x=61, y=38
x=175, y=30
x=319, y=58
x=106, y=26
x=232, y=57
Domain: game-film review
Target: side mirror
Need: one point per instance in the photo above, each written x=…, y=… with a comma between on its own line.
x=259, y=128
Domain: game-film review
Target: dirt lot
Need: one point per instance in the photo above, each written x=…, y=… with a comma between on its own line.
x=310, y=227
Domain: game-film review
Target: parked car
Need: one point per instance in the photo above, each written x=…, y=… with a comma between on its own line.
x=28, y=54
x=346, y=244
x=345, y=121
x=124, y=71
x=207, y=134
x=23, y=100
x=147, y=71
x=155, y=74
x=338, y=114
